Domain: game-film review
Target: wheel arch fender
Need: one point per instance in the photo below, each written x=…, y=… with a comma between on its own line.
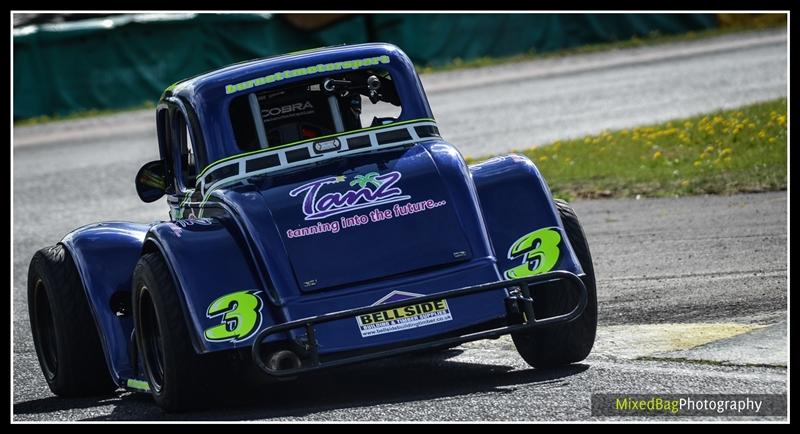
x=105, y=255
x=517, y=201
x=209, y=260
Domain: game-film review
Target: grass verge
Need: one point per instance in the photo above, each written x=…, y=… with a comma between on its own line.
x=726, y=152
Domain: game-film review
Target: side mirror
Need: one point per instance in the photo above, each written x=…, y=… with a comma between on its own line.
x=151, y=181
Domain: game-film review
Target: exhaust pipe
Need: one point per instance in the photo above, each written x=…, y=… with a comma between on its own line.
x=283, y=360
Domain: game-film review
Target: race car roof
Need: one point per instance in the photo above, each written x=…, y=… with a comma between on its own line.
x=208, y=96
x=251, y=69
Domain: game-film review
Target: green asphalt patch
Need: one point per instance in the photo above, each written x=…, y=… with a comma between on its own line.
x=764, y=346
x=735, y=344
x=636, y=341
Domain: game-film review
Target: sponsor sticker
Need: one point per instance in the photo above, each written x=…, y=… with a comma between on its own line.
x=370, y=190
x=403, y=318
x=287, y=109
x=309, y=70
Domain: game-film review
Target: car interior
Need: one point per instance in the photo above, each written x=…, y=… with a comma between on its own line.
x=314, y=108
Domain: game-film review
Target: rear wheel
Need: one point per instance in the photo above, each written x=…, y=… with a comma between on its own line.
x=179, y=378
x=64, y=333
x=562, y=344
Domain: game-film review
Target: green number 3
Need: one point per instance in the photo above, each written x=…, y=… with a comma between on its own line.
x=241, y=316
x=539, y=250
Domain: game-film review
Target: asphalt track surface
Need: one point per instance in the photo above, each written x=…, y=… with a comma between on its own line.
x=696, y=260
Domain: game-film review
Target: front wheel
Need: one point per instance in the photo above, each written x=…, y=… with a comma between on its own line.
x=562, y=344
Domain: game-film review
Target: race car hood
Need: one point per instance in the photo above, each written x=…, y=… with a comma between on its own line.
x=367, y=217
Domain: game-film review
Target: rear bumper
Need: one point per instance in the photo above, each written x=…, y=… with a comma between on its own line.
x=519, y=316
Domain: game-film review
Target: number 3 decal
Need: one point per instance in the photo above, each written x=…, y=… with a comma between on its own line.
x=539, y=251
x=241, y=316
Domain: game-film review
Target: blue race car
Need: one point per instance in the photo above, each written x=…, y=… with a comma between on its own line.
x=317, y=218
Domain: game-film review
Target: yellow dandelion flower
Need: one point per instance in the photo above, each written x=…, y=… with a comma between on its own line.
x=657, y=155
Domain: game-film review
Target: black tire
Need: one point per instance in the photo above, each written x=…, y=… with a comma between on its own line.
x=563, y=344
x=64, y=332
x=179, y=378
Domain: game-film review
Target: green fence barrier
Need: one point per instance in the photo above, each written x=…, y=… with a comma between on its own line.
x=125, y=61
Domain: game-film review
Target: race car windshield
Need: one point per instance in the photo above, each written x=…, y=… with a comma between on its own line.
x=314, y=108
